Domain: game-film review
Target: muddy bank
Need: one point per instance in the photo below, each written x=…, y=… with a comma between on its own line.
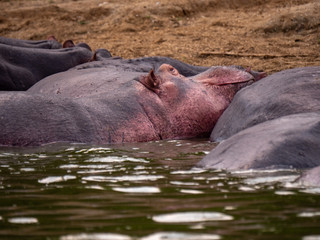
x=268, y=35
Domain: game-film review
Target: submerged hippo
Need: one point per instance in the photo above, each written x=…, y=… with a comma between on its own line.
x=274, y=123
x=288, y=142
x=280, y=94
x=23, y=63
x=311, y=178
x=100, y=106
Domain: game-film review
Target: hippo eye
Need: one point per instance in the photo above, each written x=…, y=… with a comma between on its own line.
x=173, y=71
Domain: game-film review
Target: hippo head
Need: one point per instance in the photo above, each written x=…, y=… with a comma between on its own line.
x=180, y=107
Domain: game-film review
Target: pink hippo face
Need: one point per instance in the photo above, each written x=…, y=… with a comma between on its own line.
x=181, y=107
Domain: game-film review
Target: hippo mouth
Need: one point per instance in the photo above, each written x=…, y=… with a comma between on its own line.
x=243, y=84
x=223, y=76
x=243, y=81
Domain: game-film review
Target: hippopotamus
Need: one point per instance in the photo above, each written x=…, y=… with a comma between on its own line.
x=108, y=73
x=287, y=142
x=310, y=178
x=287, y=92
x=50, y=43
x=23, y=63
x=273, y=123
x=143, y=64
x=108, y=105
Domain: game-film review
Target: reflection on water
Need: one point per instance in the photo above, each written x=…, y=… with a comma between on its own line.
x=147, y=191
x=186, y=217
x=23, y=220
x=142, y=189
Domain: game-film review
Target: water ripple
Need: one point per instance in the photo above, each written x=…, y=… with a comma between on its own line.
x=129, y=178
x=284, y=193
x=191, y=191
x=96, y=236
x=272, y=179
x=191, y=171
x=55, y=179
x=311, y=190
x=309, y=214
x=188, y=217
x=115, y=159
x=137, y=189
x=181, y=236
x=184, y=183
x=91, y=150
x=23, y=220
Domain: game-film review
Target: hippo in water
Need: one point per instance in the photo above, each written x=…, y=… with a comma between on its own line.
x=23, y=63
x=97, y=105
x=288, y=142
x=287, y=92
x=274, y=123
x=310, y=178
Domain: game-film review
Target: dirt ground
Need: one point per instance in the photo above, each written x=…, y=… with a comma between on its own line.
x=269, y=35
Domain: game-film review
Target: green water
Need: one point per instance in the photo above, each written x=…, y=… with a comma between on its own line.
x=147, y=191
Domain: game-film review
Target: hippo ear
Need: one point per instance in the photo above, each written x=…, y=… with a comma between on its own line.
x=151, y=81
x=68, y=44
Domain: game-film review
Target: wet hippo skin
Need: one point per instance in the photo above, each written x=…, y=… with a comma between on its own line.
x=280, y=94
x=106, y=105
x=310, y=178
x=288, y=142
x=274, y=123
x=23, y=63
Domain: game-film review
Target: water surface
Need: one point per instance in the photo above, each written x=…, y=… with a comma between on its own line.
x=147, y=191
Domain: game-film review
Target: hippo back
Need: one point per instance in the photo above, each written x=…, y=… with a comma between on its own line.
x=284, y=93
x=46, y=44
x=144, y=64
x=286, y=142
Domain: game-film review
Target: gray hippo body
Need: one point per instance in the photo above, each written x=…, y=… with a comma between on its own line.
x=288, y=142
x=114, y=105
x=143, y=64
x=108, y=74
x=275, y=123
x=23, y=63
x=51, y=43
x=108, y=100
x=35, y=119
x=310, y=178
x=105, y=75
x=280, y=94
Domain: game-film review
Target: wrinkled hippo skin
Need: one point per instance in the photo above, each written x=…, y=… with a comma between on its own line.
x=274, y=123
x=288, y=142
x=144, y=65
x=101, y=105
x=108, y=74
x=310, y=178
x=23, y=63
x=105, y=75
x=280, y=94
